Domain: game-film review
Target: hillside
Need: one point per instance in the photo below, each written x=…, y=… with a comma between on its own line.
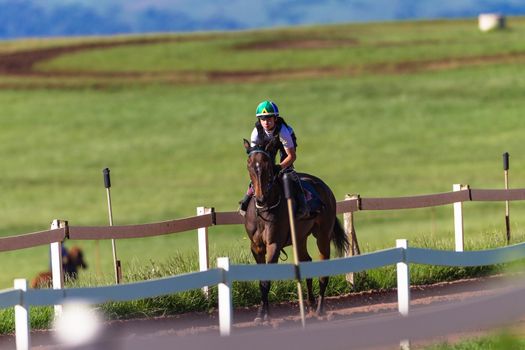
x=258, y=56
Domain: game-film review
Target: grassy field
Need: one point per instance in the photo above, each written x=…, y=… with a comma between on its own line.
x=499, y=341
x=392, y=109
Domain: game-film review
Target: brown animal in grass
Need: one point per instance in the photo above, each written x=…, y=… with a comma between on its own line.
x=72, y=260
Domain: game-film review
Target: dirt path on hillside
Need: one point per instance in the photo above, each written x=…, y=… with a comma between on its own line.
x=22, y=64
x=356, y=307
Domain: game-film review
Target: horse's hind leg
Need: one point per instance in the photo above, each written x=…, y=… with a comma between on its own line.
x=323, y=244
x=323, y=283
x=304, y=256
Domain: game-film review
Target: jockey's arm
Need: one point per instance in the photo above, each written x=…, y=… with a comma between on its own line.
x=290, y=158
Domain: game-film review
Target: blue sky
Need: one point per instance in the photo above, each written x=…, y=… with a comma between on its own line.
x=20, y=18
x=322, y=10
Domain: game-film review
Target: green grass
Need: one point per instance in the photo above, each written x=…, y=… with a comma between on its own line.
x=502, y=341
x=171, y=149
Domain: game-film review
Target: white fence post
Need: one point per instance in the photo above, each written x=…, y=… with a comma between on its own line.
x=403, y=288
x=22, y=334
x=57, y=270
x=348, y=219
x=458, y=219
x=225, y=298
x=403, y=281
x=204, y=259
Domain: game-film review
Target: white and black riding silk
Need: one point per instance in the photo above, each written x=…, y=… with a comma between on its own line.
x=286, y=136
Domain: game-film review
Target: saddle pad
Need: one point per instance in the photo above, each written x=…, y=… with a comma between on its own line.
x=312, y=197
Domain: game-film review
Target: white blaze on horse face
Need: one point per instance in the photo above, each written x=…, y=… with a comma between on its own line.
x=257, y=184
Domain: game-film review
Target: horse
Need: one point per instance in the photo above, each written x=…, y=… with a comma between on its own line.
x=72, y=260
x=267, y=223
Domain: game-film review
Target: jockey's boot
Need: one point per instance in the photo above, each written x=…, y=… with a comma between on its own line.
x=302, y=211
x=244, y=204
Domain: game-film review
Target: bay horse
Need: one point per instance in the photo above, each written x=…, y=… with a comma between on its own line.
x=267, y=222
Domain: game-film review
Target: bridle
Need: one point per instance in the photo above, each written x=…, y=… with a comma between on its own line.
x=264, y=208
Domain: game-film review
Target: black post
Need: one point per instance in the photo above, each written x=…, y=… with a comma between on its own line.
x=107, y=181
x=507, y=209
x=287, y=187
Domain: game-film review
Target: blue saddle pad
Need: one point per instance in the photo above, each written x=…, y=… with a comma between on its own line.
x=312, y=197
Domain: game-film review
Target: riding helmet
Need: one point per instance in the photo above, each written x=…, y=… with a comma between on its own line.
x=267, y=109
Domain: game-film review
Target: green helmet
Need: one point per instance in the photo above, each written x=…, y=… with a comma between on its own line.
x=267, y=109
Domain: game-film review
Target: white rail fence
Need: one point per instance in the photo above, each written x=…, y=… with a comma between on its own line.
x=225, y=274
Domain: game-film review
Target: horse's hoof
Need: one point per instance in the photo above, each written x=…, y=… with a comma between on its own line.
x=260, y=320
x=320, y=311
x=310, y=311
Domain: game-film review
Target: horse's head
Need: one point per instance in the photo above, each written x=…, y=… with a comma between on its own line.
x=261, y=169
x=74, y=260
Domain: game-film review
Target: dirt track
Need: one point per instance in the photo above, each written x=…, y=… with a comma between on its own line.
x=21, y=64
x=355, y=306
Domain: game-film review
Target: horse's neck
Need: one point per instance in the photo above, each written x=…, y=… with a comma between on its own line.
x=277, y=192
x=274, y=197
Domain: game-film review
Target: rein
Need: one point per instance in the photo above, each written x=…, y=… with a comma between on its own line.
x=266, y=208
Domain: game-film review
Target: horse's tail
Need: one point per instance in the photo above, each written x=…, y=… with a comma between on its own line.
x=339, y=239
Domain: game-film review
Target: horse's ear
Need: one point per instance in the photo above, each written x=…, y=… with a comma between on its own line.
x=247, y=145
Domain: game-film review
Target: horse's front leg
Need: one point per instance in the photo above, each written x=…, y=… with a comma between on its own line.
x=259, y=254
x=272, y=256
x=263, y=313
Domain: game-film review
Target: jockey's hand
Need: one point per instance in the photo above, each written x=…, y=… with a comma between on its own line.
x=277, y=169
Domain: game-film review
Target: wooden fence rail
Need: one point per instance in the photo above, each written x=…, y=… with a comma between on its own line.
x=32, y=239
x=233, y=218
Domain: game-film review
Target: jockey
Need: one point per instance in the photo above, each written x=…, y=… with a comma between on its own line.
x=268, y=126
